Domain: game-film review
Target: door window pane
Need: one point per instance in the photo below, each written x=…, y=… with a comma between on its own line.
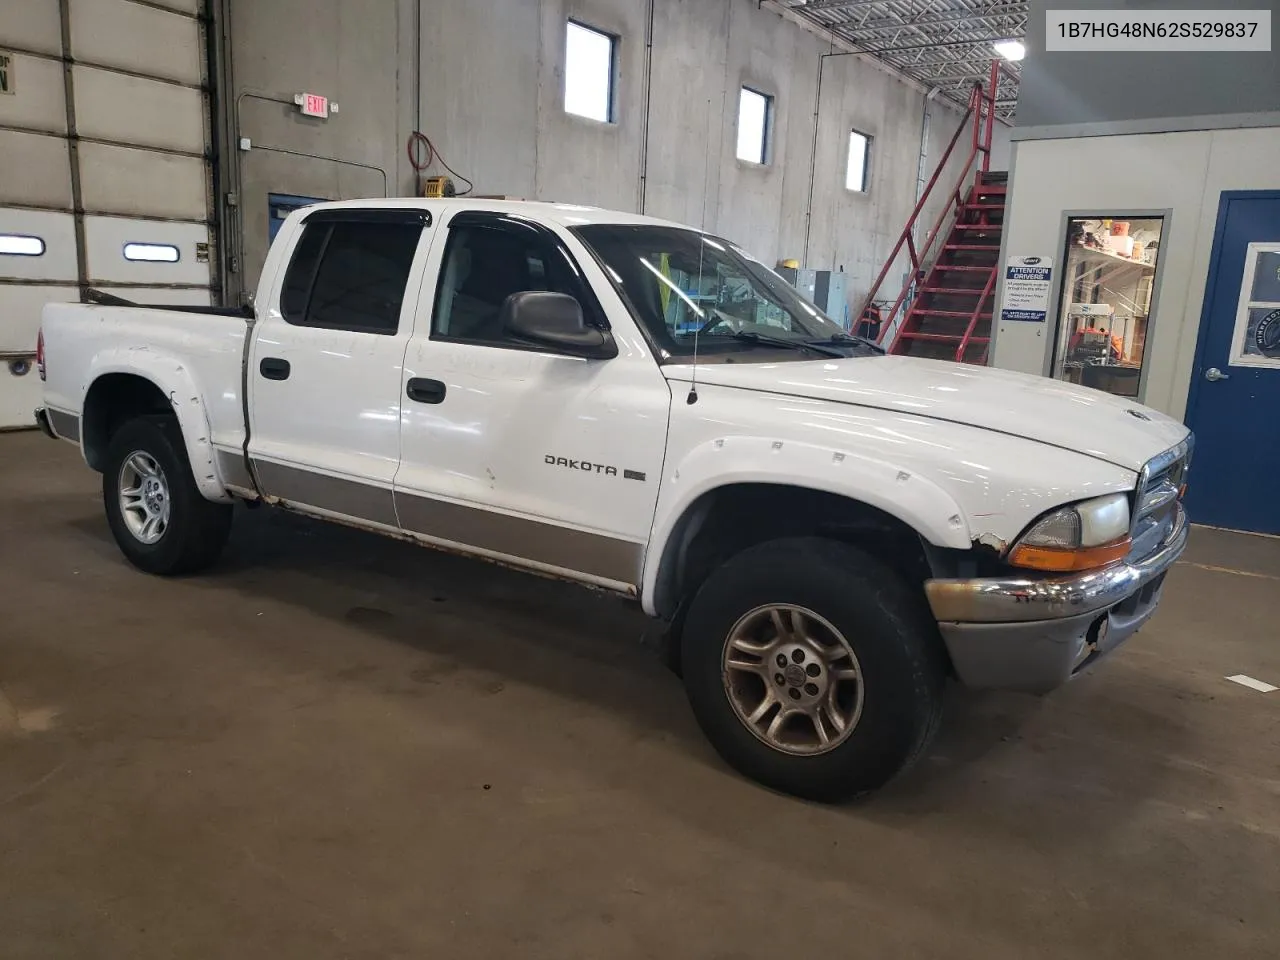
x=360, y=278
x=1108, y=279
x=483, y=266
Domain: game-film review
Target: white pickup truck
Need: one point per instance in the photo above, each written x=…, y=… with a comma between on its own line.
x=646, y=409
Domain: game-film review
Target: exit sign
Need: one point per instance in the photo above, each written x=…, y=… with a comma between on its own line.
x=313, y=105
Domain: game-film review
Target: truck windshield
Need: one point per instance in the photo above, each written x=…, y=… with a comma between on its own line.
x=682, y=284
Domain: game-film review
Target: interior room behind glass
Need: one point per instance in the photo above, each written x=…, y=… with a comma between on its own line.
x=1105, y=313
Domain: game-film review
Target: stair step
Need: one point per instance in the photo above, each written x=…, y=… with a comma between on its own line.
x=941, y=337
x=946, y=313
x=979, y=226
x=955, y=291
x=973, y=247
x=983, y=206
x=958, y=268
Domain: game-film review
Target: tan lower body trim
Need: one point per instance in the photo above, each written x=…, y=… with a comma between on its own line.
x=521, y=539
x=548, y=544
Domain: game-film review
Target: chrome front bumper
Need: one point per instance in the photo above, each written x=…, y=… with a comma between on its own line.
x=1033, y=635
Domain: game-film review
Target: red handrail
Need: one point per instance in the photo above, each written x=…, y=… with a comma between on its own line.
x=973, y=320
x=981, y=110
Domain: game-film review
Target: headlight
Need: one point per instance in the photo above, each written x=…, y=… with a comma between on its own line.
x=1083, y=536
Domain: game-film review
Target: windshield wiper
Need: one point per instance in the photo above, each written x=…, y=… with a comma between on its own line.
x=851, y=338
x=763, y=340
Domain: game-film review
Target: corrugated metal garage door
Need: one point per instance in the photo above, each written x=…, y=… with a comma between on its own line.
x=105, y=172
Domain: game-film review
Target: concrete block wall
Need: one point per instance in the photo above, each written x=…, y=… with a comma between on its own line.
x=491, y=99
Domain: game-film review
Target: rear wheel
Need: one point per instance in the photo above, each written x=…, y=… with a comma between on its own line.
x=159, y=519
x=812, y=668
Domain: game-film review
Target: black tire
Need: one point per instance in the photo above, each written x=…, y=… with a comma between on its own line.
x=895, y=641
x=197, y=529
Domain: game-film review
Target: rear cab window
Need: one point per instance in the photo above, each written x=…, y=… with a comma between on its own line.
x=350, y=270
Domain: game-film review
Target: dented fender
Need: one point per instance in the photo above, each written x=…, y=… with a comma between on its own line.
x=901, y=492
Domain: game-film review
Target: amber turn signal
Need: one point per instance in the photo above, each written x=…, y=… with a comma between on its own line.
x=1066, y=560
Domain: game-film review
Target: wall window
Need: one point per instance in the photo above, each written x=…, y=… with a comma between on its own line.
x=20, y=245
x=755, y=114
x=855, y=173
x=588, y=72
x=1108, y=279
x=350, y=276
x=151, y=252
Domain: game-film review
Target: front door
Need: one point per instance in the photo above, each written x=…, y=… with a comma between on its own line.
x=1235, y=389
x=547, y=461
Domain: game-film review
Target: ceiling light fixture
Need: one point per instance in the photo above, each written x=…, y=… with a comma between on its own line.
x=1012, y=50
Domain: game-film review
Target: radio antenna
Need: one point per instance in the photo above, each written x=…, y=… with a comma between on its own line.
x=692, y=398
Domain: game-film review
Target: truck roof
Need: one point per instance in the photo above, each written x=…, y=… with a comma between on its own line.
x=566, y=214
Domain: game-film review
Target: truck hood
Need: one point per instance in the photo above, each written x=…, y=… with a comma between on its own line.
x=1115, y=429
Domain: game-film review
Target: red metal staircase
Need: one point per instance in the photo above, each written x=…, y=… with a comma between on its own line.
x=950, y=318
x=944, y=310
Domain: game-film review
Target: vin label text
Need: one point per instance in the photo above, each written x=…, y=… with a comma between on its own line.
x=1158, y=31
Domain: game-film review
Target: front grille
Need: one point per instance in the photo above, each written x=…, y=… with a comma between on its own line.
x=1155, y=505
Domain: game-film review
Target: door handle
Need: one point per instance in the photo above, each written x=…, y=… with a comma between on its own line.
x=273, y=368
x=1213, y=375
x=425, y=391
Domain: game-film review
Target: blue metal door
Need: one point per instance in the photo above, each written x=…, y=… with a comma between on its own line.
x=1234, y=403
x=280, y=205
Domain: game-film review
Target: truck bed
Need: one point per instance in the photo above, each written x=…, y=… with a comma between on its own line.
x=85, y=341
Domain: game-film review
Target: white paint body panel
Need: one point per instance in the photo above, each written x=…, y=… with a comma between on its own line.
x=195, y=360
x=957, y=453
x=339, y=410
x=1036, y=408
x=506, y=411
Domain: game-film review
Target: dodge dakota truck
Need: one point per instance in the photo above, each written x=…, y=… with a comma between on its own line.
x=830, y=533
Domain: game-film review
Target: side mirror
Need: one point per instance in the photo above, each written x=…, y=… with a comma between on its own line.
x=554, y=321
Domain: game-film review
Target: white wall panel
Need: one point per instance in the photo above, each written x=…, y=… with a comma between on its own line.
x=57, y=230
x=19, y=397
x=167, y=298
x=141, y=183
x=119, y=33
x=191, y=7
x=36, y=170
x=32, y=25
x=105, y=239
x=115, y=106
x=21, y=321
x=39, y=101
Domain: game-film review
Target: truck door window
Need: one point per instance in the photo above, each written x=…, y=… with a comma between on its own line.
x=483, y=265
x=350, y=276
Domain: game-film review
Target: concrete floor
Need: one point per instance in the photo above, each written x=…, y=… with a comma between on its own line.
x=343, y=746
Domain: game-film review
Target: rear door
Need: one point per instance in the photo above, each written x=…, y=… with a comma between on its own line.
x=325, y=365
x=106, y=157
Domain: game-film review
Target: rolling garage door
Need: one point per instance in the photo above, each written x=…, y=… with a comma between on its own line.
x=105, y=171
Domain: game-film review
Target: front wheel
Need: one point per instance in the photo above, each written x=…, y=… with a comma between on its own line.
x=157, y=515
x=812, y=668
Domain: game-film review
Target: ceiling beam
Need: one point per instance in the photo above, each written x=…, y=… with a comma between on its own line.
x=932, y=45
x=837, y=4
x=1019, y=12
